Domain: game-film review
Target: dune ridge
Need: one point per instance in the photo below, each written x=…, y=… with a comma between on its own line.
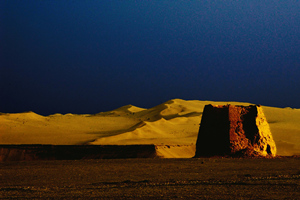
x=174, y=123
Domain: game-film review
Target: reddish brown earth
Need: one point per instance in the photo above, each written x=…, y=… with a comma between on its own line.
x=238, y=131
x=199, y=178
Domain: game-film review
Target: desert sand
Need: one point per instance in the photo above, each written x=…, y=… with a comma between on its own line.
x=172, y=126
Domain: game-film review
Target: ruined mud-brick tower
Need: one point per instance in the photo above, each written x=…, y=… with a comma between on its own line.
x=235, y=131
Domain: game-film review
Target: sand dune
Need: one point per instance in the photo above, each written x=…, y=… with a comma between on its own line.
x=173, y=123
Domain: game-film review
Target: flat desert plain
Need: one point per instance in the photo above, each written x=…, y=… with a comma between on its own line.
x=174, y=123
x=198, y=178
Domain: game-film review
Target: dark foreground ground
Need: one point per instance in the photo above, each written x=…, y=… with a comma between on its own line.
x=203, y=178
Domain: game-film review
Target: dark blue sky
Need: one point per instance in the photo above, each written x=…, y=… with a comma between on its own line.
x=92, y=56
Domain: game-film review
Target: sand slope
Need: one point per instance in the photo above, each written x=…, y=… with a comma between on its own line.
x=173, y=123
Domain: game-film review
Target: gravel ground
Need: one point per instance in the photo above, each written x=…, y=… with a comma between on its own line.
x=203, y=178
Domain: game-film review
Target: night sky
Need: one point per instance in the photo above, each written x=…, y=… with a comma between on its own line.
x=94, y=56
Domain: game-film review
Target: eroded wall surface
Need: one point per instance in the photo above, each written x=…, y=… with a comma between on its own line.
x=238, y=131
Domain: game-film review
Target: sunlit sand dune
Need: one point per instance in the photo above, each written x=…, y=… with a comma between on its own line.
x=174, y=123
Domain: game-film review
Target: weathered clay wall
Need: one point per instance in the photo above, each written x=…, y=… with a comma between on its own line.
x=228, y=130
x=213, y=137
x=74, y=152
